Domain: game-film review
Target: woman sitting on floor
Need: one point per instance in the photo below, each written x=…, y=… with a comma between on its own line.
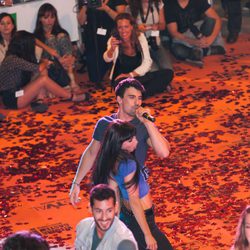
x=17, y=70
x=129, y=51
x=49, y=31
x=7, y=30
x=117, y=166
x=150, y=17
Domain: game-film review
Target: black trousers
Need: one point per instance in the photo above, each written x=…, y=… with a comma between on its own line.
x=129, y=219
x=234, y=15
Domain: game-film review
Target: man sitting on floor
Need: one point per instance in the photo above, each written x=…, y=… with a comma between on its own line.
x=104, y=230
x=195, y=29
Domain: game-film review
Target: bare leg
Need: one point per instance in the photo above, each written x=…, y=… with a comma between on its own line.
x=74, y=86
x=32, y=90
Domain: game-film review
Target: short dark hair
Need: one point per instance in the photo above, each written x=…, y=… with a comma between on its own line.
x=25, y=240
x=101, y=192
x=127, y=83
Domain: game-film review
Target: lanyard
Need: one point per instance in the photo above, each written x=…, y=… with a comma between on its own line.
x=144, y=20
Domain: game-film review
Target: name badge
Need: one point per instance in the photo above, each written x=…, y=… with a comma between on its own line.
x=155, y=33
x=101, y=31
x=19, y=93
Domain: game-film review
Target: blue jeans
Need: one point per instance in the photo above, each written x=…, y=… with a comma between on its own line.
x=182, y=50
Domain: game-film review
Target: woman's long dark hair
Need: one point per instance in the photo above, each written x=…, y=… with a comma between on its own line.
x=111, y=153
x=136, y=6
x=241, y=241
x=135, y=33
x=3, y=15
x=44, y=9
x=22, y=45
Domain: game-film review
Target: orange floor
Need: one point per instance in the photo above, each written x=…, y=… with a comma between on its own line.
x=199, y=191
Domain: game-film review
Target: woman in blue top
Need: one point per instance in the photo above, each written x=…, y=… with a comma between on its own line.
x=117, y=166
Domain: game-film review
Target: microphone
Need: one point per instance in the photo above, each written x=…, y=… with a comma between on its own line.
x=148, y=117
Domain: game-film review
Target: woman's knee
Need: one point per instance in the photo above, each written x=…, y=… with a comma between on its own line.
x=42, y=80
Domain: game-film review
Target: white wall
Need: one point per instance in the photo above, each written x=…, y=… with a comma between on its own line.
x=27, y=12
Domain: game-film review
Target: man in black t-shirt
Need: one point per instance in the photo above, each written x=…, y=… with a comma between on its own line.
x=195, y=29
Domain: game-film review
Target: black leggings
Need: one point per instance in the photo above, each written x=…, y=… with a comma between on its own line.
x=129, y=219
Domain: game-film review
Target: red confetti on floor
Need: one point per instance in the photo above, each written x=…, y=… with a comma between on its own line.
x=199, y=191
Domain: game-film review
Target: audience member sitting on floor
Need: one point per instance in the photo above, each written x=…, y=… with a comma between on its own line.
x=18, y=66
x=7, y=30
x=128, y=50
x=49, y=31
x=104, y=230
x=24, y=240
x=195, y=29
x=234, y=16
x=150, y=17
x=99, y=24
x=117, y=166
x=242, y=240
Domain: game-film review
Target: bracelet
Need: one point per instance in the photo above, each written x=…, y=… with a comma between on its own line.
x=75, y=183
x=131, y=74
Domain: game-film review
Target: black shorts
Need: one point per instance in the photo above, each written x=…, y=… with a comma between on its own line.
x=9, y=99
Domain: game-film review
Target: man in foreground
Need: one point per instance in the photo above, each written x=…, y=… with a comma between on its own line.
x=104, y=230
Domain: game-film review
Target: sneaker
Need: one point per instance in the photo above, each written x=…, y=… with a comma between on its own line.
x=195, y=63
x=217, y=50
x=195, y=57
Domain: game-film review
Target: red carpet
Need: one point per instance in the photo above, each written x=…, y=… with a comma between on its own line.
x=199, y=191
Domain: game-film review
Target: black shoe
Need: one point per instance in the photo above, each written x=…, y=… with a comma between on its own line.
x=87, y=97
x=232, y=37
x=39, y=107
x=99, y=85
x=217, y=50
